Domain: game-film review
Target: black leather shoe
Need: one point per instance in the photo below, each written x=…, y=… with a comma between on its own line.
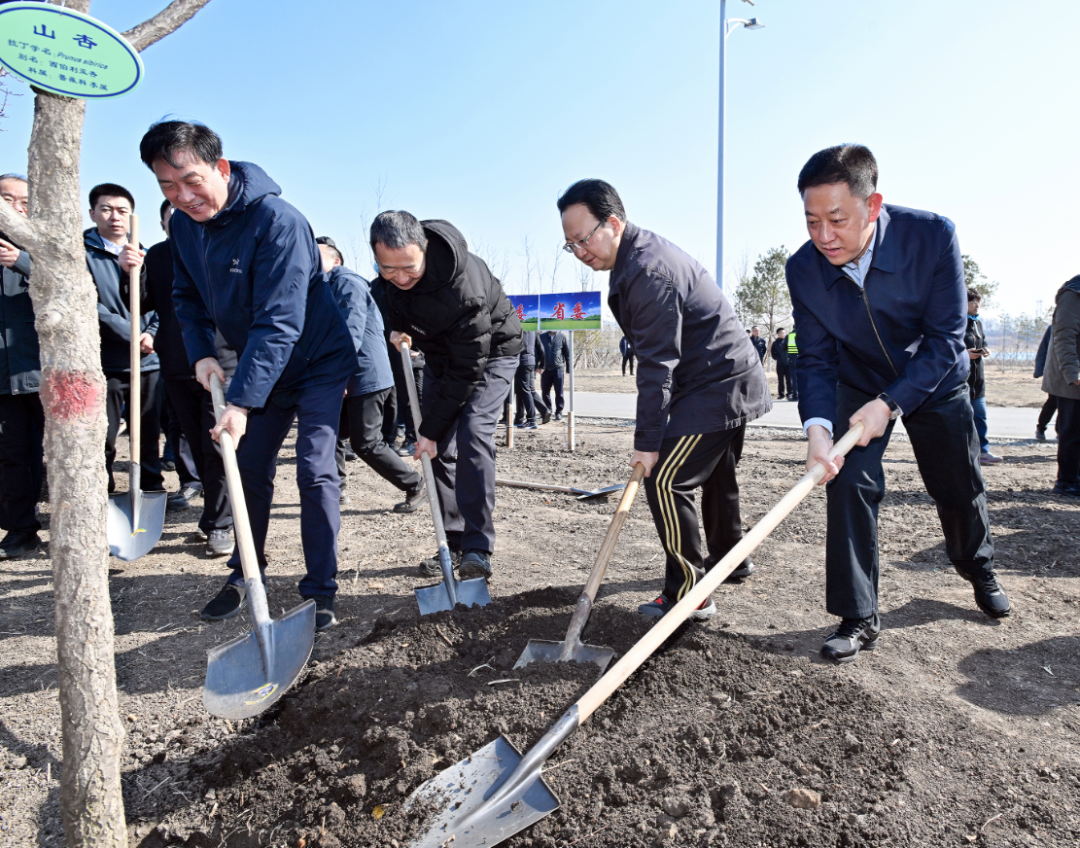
x=852, y=636
x=990, y=597
x=1068, y=490
x=19, y=543
x=740, y=573
x=475, y=564
x=413, y=500
x=430, y=567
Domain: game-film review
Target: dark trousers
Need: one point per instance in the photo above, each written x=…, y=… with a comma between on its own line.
x=362, y=420
x=117, y=387
x=792, y=372
x=782, y=380
x=523, y=391
x=628, y=358
x=195, y=411
x=22, y=434
x=465, y=467
x=177, y=442
x=685, y=463
x=552, y=377
x=1068, y=433
x=942, y=435
x=316, y=412
x=1049, y=407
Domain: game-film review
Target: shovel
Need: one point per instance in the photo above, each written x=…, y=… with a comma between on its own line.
x=496, y=792
x=583, y=494
x=248, y=674
x=572, y=649
x=451, y=592
x=135, y=518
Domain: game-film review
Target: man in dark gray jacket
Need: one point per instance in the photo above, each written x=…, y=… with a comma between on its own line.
x=556, y=347
x=22, y=423
x=1062, y=380
x=699, y=382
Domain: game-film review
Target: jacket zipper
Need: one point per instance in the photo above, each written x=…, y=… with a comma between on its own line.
x=870, y=315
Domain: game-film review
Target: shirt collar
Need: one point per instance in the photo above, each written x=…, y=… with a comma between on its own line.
x=857, y=268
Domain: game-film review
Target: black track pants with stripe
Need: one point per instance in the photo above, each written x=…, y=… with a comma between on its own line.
x=707, y=460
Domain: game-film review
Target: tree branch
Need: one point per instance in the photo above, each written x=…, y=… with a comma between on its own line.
x=17, y=228
x=169, y=19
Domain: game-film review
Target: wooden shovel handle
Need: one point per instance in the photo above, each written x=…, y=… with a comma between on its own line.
x=596, y=576
x=543, y=487
x=667, y=625
x=241, y=524
x=135, y=377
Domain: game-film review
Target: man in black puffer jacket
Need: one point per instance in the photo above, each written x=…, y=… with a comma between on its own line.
x=447, y=302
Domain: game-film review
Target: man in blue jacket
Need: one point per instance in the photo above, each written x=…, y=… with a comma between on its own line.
x=699, y=383
x=112, y=262
x=371, y=384
x=247, y=264
x=22, y=422
x=879, y=299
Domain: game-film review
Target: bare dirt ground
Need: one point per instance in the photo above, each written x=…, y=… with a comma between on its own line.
x=958, y=730
x=1012, y=387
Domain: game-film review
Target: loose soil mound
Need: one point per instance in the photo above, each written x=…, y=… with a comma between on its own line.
x=716, y=741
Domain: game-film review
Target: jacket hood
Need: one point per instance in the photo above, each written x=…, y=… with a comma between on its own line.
x=1071, y=285
x=248, y=183
x=446, y=254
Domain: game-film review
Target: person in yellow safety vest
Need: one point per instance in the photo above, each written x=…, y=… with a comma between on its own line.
x=792, y=362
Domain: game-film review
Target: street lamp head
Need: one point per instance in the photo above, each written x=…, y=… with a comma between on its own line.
x=754, y=24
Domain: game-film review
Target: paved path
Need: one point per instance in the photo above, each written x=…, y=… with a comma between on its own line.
x=1003, y=422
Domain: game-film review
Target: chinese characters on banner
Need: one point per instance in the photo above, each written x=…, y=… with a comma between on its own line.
x=66, y=52
x=559, y=311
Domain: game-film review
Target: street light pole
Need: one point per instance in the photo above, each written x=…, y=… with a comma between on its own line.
x=726, y=28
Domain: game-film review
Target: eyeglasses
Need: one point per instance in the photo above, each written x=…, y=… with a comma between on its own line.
x=571, y=246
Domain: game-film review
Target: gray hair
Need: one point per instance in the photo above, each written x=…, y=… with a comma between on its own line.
x=397, y=229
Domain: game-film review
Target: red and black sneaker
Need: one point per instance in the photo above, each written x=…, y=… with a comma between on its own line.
x=660, y=607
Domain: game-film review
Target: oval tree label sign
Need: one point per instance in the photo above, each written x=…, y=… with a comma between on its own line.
x=66, y=52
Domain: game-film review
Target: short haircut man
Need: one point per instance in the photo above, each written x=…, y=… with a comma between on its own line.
x=878, y=298
x=255, y=274
x=445, y=301
x=22, y=421
x=112, y=263
x=699, y=383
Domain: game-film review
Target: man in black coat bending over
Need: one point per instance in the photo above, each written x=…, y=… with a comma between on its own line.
x=447, y=302
x=699, y=383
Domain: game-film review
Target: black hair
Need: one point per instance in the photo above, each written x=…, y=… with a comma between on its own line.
x=852, y=164
x=599, y=197
x=779, y=330
x=165, y=204
x=974, y=295
x=329, y=242
x=110, y=190
x=396, y=229
x=165, y=139
x=18, y=177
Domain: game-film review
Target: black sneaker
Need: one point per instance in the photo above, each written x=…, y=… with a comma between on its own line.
x=1068, y=490
x=475, y=563
x=324, y=612
x=413, y=500
x=853, y=635
x=545, y=418
x=219, y=543
x=227, y=603
x=1040, y=434
x=662, y=605
x=431, y=568
x=558, y=416
x=175, y=501
x=990, y=597
x=740, y=573
x=19, y=543
x=407, y=449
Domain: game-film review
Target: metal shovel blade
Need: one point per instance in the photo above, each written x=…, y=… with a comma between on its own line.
x=472, y=593
x=543, y=650
x=248, y=674
x=135, y=519
x=586, y=495
x=459, y=790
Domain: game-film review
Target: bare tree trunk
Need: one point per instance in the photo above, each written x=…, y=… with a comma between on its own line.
x=73, y=396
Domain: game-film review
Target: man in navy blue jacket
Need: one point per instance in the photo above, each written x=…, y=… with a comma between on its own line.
x=699, y=383
x=371, y=384
x=247, y=264
x=878, y=296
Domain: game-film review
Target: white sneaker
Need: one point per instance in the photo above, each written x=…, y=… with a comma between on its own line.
x=988, y=458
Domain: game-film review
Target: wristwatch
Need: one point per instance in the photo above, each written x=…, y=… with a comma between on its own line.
x=894, y=409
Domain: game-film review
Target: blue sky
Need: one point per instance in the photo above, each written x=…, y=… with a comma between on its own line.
x=483, y=112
